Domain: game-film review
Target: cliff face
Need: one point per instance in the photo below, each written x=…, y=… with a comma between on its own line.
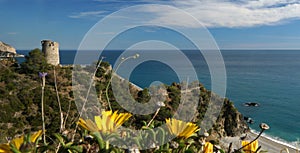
x=227, y=122
x=7, y=48
x=230, y=122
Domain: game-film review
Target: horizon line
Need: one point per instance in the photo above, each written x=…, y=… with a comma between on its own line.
x=224, y=49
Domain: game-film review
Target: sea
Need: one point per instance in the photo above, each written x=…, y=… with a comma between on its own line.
x=268, y=77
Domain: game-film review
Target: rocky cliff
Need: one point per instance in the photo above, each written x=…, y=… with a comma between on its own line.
x=7, y=48
x=227, y=122
x=230, y=122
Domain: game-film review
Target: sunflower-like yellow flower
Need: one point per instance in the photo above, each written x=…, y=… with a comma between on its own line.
x=251, y=147
x=180, y=128
x=18, y=142
x=208, y=148
x=5, y=148
x=108, y=122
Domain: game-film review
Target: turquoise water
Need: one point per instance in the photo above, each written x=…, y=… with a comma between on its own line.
x=270, y=77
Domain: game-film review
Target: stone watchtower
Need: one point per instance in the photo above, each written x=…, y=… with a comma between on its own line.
x=51, y=51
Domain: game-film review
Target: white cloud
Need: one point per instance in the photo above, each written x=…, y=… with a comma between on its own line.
x=269, y=3
x=134, y=1
x=214, y=13
x=225, y=13
x=88, y=14
x=12, y=33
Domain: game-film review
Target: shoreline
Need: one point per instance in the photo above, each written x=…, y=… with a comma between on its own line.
x=267, y=143
x=277, y=141
x=273, y=145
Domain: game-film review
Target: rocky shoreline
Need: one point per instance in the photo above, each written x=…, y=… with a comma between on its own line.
x=267, y=144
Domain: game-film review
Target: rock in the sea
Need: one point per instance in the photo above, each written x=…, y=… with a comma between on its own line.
x=253, y=104
x=7, y=48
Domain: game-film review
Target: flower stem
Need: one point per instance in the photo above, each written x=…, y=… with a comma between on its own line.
x=156, y=113
x=59, y=104
x=87, y=95
x=43, y=114
x=112, y=73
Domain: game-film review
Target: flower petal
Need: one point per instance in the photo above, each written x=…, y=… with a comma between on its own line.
x=17, y=142
x=82, y=123
x=123, y=117
x=35, y=136
x=91, y=126
x=181, y=128
x=107, y=122
x=254, y=146
x=5, y=148
x=208, y=147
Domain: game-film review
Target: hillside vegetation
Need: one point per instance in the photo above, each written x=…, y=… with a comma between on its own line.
x=21, y=93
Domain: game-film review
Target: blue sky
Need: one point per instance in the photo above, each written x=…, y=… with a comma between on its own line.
x=235, y=24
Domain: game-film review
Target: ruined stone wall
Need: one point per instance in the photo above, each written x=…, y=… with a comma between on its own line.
x=51, y=51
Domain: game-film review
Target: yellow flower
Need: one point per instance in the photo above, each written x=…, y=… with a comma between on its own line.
x=251, y=147
x=208, y=148
x=180, y=128
x=5, y=148
x=107, y=123
x=18, y=142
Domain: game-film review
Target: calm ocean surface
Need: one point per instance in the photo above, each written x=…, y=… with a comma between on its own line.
x=270, y=77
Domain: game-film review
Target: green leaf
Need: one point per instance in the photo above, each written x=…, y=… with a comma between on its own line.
x=162, y=133
x=76, y=148
x=110, y=136
x=137, y=141
x=144, y=123
x=190, y=141
x=15, y=150
x=60, y=139
x=69, y=144
x=153, y=135
x=99, y=139
x=189, y=151
x=222, y=151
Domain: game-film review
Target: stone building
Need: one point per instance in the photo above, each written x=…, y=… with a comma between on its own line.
x=51, y=51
